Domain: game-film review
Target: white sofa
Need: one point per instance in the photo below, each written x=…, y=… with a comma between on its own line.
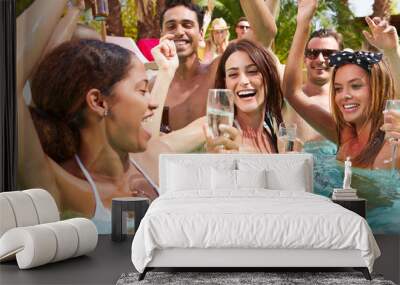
x=31, y=230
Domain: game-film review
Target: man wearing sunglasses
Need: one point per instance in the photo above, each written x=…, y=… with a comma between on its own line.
x=242, y=27
x=321, y=44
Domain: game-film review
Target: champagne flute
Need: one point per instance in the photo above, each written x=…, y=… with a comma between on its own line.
x=287, y=133
x=220, y=109
x=392, y=105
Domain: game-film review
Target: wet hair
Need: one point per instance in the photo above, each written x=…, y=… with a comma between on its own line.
x=326, y=33
x=59, y=88
x=266, y=65
x=186, y=3
x=382, y=89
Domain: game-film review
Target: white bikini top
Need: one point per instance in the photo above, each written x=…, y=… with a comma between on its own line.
x=102, y=215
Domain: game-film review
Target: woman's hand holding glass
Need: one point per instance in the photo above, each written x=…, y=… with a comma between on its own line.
x=165, y=55
x=229, y=141
x=287, y=138
x=391, y=127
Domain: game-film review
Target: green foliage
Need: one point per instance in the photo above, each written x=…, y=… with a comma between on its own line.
x=343, y=20
x=286, y=25
x=230, y=10
x=395, y=7
x=21, y=5
x=87, y=19
x=330, y=14
x=129, y=19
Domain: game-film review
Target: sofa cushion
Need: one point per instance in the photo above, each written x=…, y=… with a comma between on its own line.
x=40, y=244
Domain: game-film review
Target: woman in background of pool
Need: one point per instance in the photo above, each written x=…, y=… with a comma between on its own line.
x=358, y=95
x=218, y=41
x=362, y=82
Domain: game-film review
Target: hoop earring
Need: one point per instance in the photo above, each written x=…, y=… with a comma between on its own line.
x=105, y=114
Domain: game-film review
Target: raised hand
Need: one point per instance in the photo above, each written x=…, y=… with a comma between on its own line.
x=165, y=55
x=210, y=5
x=382, y=35
x=306, y=9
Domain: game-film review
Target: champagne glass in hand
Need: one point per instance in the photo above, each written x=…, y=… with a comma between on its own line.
x=219, y=109
x=287, y=133
x=391, y=105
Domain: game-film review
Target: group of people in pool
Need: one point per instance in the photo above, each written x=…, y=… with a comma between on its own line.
x=92, y=130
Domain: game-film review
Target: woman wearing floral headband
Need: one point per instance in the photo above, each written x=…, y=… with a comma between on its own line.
x=361, y=83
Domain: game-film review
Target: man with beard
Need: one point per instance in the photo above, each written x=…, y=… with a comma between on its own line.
x=187, y=96
x=320, y=45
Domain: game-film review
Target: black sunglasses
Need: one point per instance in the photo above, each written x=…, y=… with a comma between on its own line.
x=314, y=53
x=242, y=27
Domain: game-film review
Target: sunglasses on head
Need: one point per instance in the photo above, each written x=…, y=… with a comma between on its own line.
x=242, y=27
x=314, y=53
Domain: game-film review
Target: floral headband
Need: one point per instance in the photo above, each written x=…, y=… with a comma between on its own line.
x=364, y=59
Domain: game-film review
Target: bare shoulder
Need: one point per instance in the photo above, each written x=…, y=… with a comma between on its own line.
x=76, y=194
x=68, y=175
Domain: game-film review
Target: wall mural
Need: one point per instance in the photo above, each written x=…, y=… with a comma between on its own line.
x=380, y=187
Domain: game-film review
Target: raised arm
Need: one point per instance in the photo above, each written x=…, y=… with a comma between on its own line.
x=66, y=26
x=208, y=16
x=167, y=61
x=384, y=36
x=261, y=19
x=273, y=6
x=313, y=113
x=34, y=29
x=187, y=139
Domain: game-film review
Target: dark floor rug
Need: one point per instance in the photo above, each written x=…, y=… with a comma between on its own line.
x=243, y=278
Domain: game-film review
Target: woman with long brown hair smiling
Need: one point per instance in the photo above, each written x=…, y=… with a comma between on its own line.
x=250, y=72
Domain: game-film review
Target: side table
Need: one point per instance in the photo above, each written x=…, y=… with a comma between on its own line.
x=358, y=206
x=121, y=208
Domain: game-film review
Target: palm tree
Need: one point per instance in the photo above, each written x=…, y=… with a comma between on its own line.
x=330, y=14
x=148, y=18
x=114, y=23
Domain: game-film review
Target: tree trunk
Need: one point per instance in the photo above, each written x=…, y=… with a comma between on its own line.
x=114, y=23
x=148, y=21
